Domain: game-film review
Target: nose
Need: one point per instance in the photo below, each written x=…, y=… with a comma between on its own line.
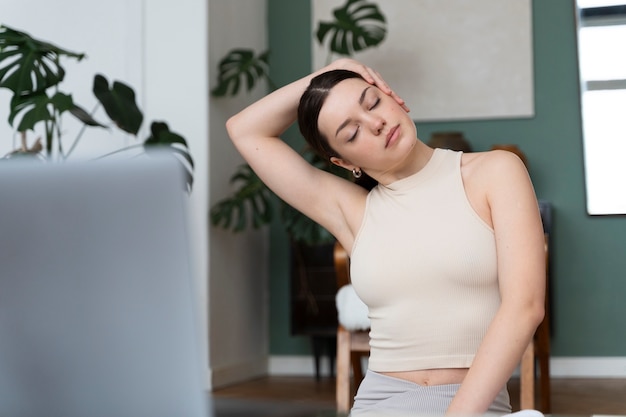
x=377, y=125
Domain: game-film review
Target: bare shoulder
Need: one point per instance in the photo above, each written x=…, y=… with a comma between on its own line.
x=494, y=179
x=493, y=167
x=492, y=160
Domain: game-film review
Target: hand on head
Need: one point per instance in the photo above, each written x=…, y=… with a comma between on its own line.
x=370, y=75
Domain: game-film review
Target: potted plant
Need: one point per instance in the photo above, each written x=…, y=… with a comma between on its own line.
x=32, y=70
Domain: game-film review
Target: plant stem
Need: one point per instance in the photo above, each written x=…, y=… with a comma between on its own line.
x=82, y=130
x=23, y=140
x=49, y=138
x=57, y=125
x=128, y=148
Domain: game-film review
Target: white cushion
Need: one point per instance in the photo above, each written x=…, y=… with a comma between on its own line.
x=352, y=312
x=526, y=413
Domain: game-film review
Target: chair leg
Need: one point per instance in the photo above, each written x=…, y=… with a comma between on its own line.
x=541, y=352
x=544, y=385
x=357, y=370
x=316, y=342
x=527, y=378
x=343, y=370
x=543, y=356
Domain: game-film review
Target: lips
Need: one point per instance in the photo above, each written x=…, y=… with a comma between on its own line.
x=391, y=136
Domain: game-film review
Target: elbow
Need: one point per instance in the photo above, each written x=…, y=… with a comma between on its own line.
x=237, y=128
x=232, y=127
x=537, y=313
x=529, y=314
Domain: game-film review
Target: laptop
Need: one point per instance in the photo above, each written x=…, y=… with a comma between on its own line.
x=97, y=303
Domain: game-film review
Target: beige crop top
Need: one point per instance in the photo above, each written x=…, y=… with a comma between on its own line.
x=425, y=264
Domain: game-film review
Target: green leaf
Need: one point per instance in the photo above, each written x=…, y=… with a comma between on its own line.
x=241, y=65
x=62, y=102
x=82, y=115
x=358, y=26
x=33, y=108
x=119, y=104
x=28, y=65
x=251, y=202
x=163, y=139
x=38, y=107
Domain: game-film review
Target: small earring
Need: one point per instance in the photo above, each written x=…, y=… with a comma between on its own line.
x=357, y=172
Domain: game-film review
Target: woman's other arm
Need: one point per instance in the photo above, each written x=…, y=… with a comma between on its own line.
x=521, y=276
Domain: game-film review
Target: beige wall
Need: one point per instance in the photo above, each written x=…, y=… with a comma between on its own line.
x=238, y=289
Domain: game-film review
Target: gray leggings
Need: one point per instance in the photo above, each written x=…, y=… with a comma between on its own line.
x=382, y=395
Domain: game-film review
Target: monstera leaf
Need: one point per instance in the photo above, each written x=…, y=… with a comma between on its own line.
x=119, y=103
x=29, y=66
x=35, y=108
x=162, y=138
x=241, y=65
x=358, y=25
x=251, y=201
x=38, y=107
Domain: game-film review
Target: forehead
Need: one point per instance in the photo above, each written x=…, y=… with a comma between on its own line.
x=341, y=99
x=346, y=92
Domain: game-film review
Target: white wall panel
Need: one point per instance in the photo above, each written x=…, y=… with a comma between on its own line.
x=159, y=48
x=109, y=33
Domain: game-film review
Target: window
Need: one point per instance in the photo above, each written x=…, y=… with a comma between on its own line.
x=602, y=60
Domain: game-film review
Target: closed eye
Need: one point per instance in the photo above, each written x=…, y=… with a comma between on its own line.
x=351, y=138
x=372, y=107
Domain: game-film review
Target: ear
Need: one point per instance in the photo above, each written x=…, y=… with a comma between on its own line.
x=341, y=163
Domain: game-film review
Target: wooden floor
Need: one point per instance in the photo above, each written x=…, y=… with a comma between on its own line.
x=569, y=396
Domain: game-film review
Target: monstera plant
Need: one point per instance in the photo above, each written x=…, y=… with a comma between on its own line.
x=358, y=25
x=32, y=70
x=241, y=65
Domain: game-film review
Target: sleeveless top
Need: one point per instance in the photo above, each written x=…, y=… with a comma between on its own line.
x=424, y=262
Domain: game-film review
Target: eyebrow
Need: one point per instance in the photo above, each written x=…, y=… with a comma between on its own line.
x=347, y=121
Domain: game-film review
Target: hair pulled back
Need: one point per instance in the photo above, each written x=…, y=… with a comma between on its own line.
x=311, y=104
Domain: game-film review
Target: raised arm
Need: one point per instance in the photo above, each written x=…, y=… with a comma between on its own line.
x=255, y=132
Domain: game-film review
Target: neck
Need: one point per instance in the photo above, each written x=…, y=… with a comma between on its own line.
x=415, y=160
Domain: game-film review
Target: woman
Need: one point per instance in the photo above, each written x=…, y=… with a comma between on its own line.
x=447, y=250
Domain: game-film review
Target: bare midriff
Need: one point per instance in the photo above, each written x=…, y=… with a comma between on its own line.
x=428, y=377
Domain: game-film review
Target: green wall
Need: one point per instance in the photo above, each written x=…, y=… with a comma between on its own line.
x=588, y=265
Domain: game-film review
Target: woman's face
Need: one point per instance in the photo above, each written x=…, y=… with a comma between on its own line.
x=367, y=127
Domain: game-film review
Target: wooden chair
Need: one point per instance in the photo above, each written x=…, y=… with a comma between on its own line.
x=353, y=345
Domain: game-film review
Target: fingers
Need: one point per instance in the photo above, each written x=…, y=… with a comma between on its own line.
x=379, y=82
x=368, y=74
x=385, y=88
x=400, y=101
x=371, y=76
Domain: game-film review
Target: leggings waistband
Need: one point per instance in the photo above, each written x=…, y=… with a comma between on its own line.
x=394, y=396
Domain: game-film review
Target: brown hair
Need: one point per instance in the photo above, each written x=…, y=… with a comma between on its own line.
x=309, y=109
x=311, y=104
